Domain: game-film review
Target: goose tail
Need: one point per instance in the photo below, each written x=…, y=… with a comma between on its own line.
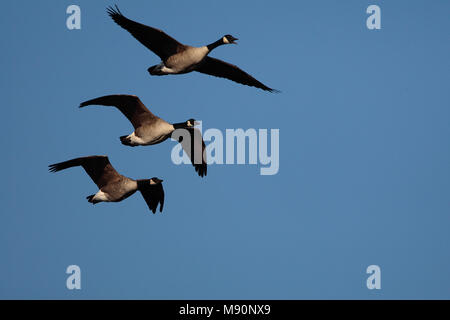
x=91, y=199
x=126, y=141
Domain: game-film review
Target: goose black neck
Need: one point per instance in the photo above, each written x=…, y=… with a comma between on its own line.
x=142, y=183
x=215, y=44
x=181, y=125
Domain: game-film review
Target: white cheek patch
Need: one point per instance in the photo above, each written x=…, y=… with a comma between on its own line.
x=225, y=40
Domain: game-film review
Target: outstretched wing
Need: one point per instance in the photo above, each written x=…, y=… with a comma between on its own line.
x=130, y=105
x=153, y=195
x=97, y=167
x=195, y=149
x=154, y=39
x=222, y=69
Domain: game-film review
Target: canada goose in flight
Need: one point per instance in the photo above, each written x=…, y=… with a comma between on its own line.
x=150, y=129
x=113, y=186
x=178, y=58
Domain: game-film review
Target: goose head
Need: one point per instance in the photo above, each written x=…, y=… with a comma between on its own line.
x=155, y=180
x=191, y=123
x=144, y=184
x=229, y=39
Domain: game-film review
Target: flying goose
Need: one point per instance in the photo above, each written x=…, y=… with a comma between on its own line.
x=150, y=129
x=113, y=186
x=177, y=58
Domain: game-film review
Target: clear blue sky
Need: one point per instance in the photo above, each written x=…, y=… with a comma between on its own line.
x=364, y=178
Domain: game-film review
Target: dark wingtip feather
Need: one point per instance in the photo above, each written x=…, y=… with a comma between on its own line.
x=110, y=11
x=201, y=169
x=54, y=167
x=64, y=165
x=115, y=13
x=86, y=103
x=161, y=202
x=118, y=10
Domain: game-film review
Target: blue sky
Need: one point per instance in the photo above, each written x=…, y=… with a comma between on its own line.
x=364, y=153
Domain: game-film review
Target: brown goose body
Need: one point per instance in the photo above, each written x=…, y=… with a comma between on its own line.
x=150, y=129
x=114, y=187
x=178, y=58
